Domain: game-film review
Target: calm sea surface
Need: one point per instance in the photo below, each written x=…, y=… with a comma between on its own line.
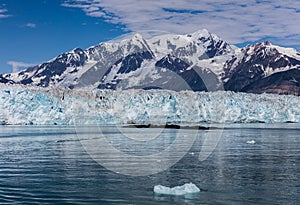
x=240, y=164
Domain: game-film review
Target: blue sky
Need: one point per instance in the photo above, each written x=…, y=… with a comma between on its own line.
x=34, y=31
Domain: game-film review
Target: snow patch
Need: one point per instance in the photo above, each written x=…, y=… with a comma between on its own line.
x=288, y=51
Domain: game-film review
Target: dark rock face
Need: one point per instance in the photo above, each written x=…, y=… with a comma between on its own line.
x=59, y=66
x=214, y=48
x=244, y=76
x=180, y=67
x=252, y=72
x=133, y=62
x=172, y=63
x=4, y=80
x=125, y=65
x=287, y=82
x=47, y=71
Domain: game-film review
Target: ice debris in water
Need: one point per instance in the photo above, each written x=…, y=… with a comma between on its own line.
x=250, y=142
x=188, y=188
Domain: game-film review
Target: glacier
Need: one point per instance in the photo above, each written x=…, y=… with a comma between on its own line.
x=21, y=105
x=188, y=188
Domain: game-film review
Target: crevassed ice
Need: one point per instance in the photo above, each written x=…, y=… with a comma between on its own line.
x=188, y=188
x=19, y=105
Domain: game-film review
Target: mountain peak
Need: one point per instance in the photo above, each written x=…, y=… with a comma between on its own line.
x=133, y=42
x=267, y=43
x=266, y=47
x=160, y=61
x=137, y=36
x=137, y=39
x=202, y=33
x=77, y=51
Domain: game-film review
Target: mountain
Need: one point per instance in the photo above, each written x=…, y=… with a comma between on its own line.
x=263, y=68
x=200, y=61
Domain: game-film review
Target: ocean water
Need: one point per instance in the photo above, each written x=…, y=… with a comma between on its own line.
x=235, y=164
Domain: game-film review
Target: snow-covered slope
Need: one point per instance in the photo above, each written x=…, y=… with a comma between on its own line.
x=263, y=68
x=176, y=62
x=19, y=105
x=134, y=62
x=200, y=61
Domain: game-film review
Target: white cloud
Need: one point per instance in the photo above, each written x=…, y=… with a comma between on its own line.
x=3, y=13
x=16, y=66
x=235, y=21
x=30, y=25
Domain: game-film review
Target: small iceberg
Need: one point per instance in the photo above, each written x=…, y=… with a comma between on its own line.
x=250, y=142
x=188, y=188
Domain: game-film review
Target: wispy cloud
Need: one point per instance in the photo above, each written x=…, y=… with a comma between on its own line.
x=30, y=25
x=3, y=13
x=16, y=66
x=235, y=21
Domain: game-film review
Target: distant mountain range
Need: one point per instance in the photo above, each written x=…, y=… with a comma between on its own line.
x=200, y=61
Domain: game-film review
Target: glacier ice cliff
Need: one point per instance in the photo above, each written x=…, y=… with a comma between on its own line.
x=41, y=106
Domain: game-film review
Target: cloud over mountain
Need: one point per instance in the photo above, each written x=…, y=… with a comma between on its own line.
x=236, y=21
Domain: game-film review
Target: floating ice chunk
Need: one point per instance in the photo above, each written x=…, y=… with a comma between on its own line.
x=188, y=188
x=250, y=142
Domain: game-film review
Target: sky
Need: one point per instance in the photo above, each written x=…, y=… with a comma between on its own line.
x=35, y=31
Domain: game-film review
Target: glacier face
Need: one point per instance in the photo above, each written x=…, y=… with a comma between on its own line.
x=41, y=106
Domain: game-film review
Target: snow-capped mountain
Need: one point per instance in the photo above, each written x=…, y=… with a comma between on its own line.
x=263, y=68
x=197, y=61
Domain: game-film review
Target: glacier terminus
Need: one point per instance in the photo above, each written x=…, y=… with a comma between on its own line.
x=43, y=106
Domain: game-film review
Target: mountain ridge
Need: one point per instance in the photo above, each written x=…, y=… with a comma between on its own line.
x=200, y=61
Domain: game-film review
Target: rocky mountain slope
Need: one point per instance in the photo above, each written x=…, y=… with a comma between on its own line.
x=200, y=61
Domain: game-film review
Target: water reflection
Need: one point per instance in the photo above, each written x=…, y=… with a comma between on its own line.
x=121, y=153
x=48, y=165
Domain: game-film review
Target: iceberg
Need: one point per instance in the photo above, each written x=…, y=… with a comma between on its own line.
x=188, y=188
x=21, y=105
x=250, y=142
